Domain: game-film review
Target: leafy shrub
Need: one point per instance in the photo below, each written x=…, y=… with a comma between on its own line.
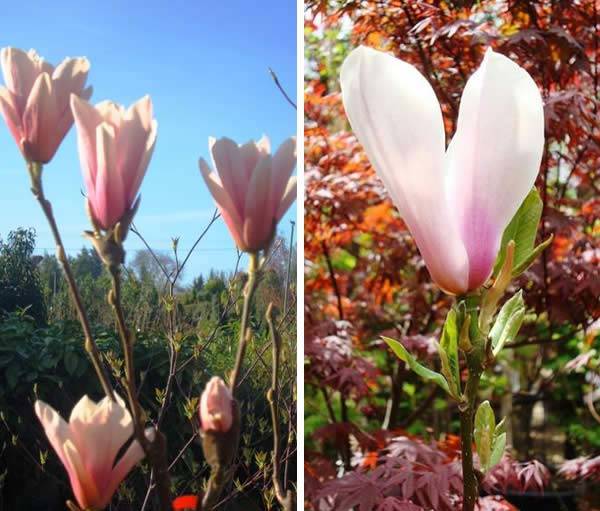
x=19, y=282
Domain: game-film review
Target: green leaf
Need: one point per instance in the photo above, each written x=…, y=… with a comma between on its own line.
x=508, y=322
x=71, y=360
x=498, y=446
x=448, y=351
x=500, y=427
x=485, y=424
x=522, y=228
x=422, y=371
x=343, y=260
x=528, y=261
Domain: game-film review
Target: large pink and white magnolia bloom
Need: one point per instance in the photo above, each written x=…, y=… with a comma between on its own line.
x=115, y=147
x=88, y=445
x=35, y=101
x=252, y=188
x=455, y=201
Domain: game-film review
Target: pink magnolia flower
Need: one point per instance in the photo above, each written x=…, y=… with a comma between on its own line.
x=88, y=446
x=115, y=147
x=35, y=101
x=253, y=189
x=456, y=201
x=216, y=406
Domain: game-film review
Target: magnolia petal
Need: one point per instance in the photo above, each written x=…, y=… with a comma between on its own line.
x=289, y=196
x=135, y=181
x=55, y=427
x=222, y=198
x=258, y=227
x=83, y=485
x=250, y=155
x=397, y=118
x=39, y=121
x=20, y=73
x=109, y=200
x=284, y=162
x=134, y=146
x=141, y=110
x=264, y=145
x=41, y=64
x=99, y=431
x=494, y=157
x=87, y=119
x=87, y=93
x=111, y=112
x=9, y=112
x=228, y=162
x=69, y=77
x=132, y=456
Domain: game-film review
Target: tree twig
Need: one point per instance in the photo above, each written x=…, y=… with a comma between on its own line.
x=281, y=89
x=35, y=171
x=155, y=450
x=284, y=497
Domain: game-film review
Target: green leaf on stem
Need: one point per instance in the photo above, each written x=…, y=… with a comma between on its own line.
x=522, y=229
x=485, y=425
x=507, y=323
x=421, y=370
x=500, y=427
x=529, y=260
x=448, y=351
x=498, y=445
x=490, y=439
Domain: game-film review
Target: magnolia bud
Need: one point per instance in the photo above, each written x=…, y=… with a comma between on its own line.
x=216, y=413
x=219, y=424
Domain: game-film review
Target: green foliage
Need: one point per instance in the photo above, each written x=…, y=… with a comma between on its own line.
x=490, y=439
x=448, y=351
x=421, y=370
x=523, y=229
x=19, y=282
x=49, y=363
x=508, y=322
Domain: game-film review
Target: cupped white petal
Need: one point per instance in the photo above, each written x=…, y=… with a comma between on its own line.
x=396, y=116
x=494, y=157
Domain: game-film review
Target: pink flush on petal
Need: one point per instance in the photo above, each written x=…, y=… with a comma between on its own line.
x=35, y=100
x=252, y=187
x=481, y=239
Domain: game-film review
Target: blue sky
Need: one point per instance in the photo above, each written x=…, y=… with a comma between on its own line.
x=205, y=66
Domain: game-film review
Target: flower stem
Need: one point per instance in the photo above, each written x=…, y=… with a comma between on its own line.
x=249, y=290
x=467, y=413
x=475, y=355
x=35, y=172
x=156, y=451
